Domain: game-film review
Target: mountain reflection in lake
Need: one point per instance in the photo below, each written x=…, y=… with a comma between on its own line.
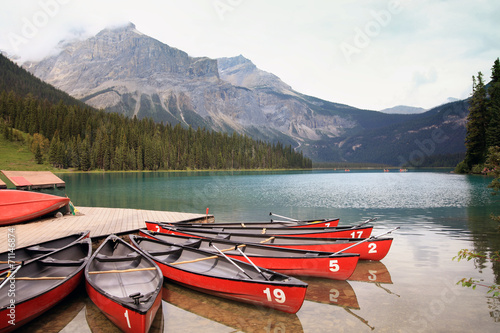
x=413, y=289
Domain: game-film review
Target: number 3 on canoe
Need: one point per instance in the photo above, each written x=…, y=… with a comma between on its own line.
x=334, y=266
x=279, y=295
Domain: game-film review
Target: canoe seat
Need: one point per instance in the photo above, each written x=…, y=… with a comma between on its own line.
x=194, y=243
x=129, y=257
x=311, y=254
x=38, y=248
x=174, y=252
x=62, y=262
x=223, y=236
x=162, y=253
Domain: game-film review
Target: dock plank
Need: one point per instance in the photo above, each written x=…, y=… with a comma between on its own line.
x=101, y=222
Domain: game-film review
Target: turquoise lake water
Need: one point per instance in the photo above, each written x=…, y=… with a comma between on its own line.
x=413, y=289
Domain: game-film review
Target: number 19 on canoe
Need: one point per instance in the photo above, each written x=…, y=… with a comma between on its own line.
x=279, y=295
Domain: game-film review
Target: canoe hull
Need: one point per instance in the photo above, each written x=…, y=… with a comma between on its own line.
x=29, y=310
x=21, y=206
x=32, y=252
x=338, y=232
x=300, y=224
x=55, y=276
x=256, y=293
x=375, y=249
x=215, y=275
x=282, y=260
x=124, y=318
x=337, y=268
x=115, y=273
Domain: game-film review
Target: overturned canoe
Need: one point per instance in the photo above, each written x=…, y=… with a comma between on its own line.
x=217, y=275
x=367, y=248
x=124, y=284
x=41, y=283
x=282, y=260
x=21, y=206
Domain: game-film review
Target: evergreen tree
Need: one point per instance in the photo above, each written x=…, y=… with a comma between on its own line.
x=38, y=155
x=477, y=121
x=493, y=131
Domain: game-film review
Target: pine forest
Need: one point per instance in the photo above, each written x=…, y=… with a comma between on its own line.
x=69, y=134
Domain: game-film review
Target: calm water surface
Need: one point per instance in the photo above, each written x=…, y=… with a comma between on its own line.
x=413, y=289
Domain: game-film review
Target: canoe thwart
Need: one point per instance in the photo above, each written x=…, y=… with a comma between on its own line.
x=124, y=270
x=104, y=258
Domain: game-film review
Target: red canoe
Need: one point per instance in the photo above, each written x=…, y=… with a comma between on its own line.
x=273, y=224
x=337, y=232
x=216, y=275
x=41, y=283
x=124, y=284
x=374, y=249
x=31, y=252
x=282, y=260
x=20, y=206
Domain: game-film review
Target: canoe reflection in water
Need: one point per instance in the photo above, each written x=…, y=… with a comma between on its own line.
x=341, y=293
x=240, y=316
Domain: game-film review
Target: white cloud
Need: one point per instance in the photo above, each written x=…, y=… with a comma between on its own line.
x=403, y=52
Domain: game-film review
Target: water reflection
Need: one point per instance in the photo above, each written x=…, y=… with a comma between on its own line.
x=240, y=316
x=371, y=271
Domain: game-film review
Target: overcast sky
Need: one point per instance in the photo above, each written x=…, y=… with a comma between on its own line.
x=367, y=54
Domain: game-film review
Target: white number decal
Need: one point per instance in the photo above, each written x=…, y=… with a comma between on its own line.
x=334, y=266
x=373, y=276
x=327, y=225
x=353, y=234
x=279, y=295
x=157, y=228
x=128, y=320
x=372, y=247
x=334, y=295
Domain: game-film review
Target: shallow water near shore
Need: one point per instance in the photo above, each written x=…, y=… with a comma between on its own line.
x=413, y=289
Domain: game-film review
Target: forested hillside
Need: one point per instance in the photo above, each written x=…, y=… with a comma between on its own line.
x=70, y=134
x=483, y=125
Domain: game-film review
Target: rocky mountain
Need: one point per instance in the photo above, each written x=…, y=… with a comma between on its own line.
x=125, y=71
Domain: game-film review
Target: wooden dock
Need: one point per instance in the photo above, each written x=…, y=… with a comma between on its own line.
x=30, y=180
x=100, y=221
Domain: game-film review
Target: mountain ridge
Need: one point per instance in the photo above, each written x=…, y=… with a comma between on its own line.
x=125, y=71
